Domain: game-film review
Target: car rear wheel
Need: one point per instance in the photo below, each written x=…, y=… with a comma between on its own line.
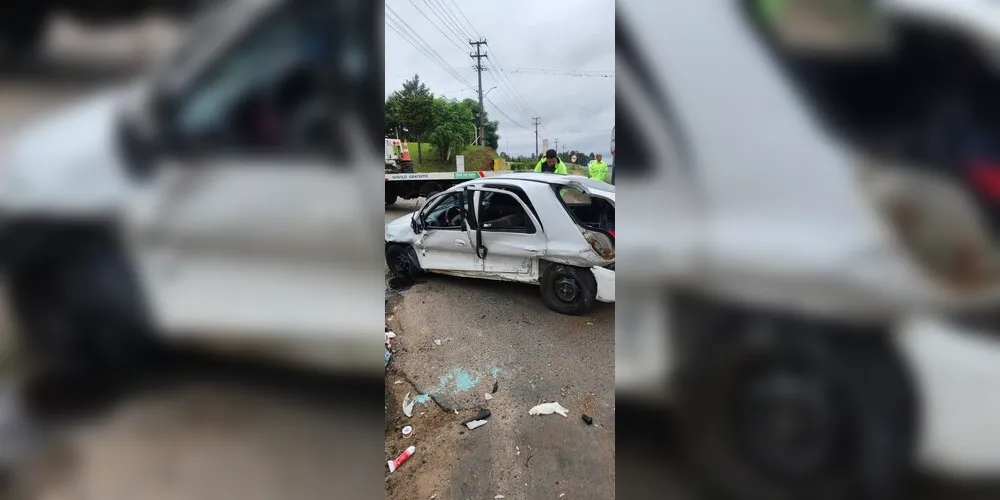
x=779, y=409
x=568, y=290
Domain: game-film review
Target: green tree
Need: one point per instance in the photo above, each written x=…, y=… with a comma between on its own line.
x=452, y=129
x=393, y=125
x=413, y=110
x=492, y=128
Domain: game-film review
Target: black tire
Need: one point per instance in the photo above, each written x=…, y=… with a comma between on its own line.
x=848, y=388
x=86, y=317
x=568, y=290
x=390, y=197
x=400, y=262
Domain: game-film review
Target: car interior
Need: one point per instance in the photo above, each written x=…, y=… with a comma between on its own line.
x=268, y=94
x=446, y=214
x=590, y=211
x=502, y=212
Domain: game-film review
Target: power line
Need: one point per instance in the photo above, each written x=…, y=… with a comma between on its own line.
x=559, y=72
x=433, y=23
x=403, y=29
x=518, y=98
x=513, y=88
x=506, y=95
x=444, y=14
x=452, y=25
x=505, y=115
x=467, y=21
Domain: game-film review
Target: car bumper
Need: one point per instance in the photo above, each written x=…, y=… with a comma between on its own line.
x=956, y=372
x=605, y=284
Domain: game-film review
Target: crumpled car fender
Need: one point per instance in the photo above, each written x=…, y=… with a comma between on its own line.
x=605, y=283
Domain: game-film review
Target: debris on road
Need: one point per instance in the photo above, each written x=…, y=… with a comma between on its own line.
x=482, y=415
x=475, y=423
x=408, y=405
x=496, y=386
x=588, y=419
x=394, y=464
x=488, y=396
x=390, y=335
x=498, y=497
x=437, y=341
x=548, y=409
x=407, y=431
x=387, y=356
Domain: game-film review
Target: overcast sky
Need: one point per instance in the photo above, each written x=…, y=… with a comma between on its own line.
x=562, y=37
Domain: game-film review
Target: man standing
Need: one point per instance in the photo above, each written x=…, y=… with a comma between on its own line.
x=551, y=164
x=598, y=170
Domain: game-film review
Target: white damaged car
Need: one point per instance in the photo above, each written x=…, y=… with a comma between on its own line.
x=555, y=231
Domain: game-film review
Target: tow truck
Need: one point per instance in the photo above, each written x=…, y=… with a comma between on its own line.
x=402, y=182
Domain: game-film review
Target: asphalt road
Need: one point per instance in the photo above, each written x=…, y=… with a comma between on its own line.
x=490, y=331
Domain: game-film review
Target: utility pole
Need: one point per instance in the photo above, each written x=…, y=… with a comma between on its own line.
x=479, y=71
x=536, y=120
x=557, y=145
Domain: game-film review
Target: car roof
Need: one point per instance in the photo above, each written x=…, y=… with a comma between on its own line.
x=563, y=180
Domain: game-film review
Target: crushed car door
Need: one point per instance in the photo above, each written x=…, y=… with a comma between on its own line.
x=246, y=225
x=444, y=244
x=509, y=237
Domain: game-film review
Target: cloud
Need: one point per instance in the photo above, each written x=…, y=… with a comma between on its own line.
x=524, y=36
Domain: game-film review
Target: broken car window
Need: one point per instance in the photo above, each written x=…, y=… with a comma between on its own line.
x=263, y=95
x=573, y=196
x=504, y=213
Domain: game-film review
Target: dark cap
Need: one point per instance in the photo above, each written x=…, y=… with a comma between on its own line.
x=550, y=153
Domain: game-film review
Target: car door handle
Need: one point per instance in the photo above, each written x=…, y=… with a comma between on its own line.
x=460, y=243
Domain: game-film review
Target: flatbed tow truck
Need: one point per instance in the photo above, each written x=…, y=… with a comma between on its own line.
x=415, y=185
x=402, y=182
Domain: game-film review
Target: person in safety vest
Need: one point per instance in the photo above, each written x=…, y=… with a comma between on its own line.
x=598, y=170
x=551, y=164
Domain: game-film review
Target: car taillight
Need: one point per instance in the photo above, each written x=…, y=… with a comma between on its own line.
x=985, y=179
x=938, y=223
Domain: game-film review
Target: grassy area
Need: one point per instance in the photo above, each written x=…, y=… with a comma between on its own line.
x=476, y=158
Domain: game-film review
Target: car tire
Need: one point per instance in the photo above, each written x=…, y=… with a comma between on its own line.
x=849, y=389
x=86, y=317
x=401, y=263
x=390, y=198
x=568, y=290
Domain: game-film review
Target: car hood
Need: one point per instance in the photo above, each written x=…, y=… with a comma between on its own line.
x=68, y=160
x=399, y=230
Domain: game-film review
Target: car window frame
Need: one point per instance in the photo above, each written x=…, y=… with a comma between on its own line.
x=437, y=203
x=191, y=145
x=529, y=215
